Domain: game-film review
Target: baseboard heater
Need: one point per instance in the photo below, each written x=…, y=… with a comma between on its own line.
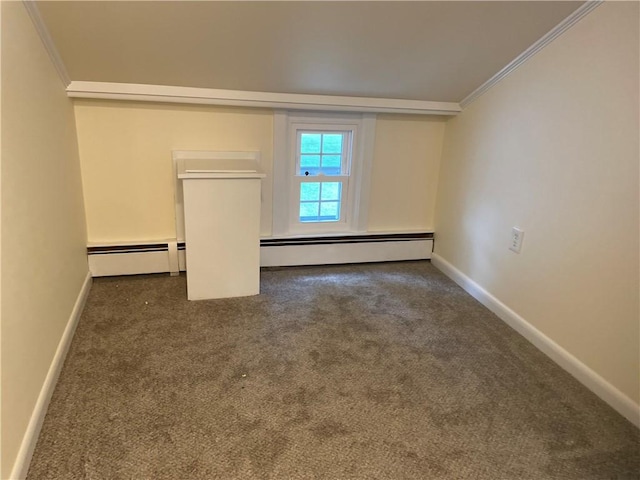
x=169, y=256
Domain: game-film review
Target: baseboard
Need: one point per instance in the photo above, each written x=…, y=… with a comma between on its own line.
x=585, y=375
x=161, y=257
x=23, y=459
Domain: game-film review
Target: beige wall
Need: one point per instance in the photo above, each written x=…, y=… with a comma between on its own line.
x=405, y=171
x=43, y=247
x=553, y=149
x=125, y=150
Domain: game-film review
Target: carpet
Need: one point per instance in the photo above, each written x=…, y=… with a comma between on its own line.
x=375, y=371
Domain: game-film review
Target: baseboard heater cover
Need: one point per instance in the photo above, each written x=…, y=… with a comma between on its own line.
x=365, y=238
x=154, y=257
x=287, y=251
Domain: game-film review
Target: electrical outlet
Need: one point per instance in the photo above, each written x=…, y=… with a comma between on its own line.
x=517, y=236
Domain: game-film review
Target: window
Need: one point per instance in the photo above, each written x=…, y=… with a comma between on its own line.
x=323, y=158
x=321, y=172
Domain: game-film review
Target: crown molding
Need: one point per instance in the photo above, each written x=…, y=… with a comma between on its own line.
x=549, y=37
x=45, y=36
x=207, y=96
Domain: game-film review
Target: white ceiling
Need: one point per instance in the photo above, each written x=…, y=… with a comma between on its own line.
x=435, y=50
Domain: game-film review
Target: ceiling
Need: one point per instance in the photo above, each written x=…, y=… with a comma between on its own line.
x=433, y=51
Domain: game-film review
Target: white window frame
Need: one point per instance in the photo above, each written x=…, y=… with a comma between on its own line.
x=354, y=208
x=347, y=197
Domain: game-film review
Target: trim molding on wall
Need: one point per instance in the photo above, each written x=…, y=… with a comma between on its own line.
x=45, y=36
x=280, y=173
x=366, y=152
x=533, y=49
x=284, y=123
x=23, y=459
x=585, y=375
x=160, y=257
x=238, y=98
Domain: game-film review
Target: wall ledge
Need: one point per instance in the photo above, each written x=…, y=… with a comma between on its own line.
x=585, y=375
x=238, y=98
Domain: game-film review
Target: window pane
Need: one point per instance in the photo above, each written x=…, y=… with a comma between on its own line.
x=310, y=142
x=320, y=201
x=309, y=211
x=309, y=163
x=332, y=143
x=330, y=211
x=331, y=191
x=331, y=164
x=310, y=160
x=310, y=192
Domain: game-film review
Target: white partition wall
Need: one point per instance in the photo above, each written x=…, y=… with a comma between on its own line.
x=222, y=227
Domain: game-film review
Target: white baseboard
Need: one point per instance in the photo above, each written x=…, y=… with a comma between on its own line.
x=23, y=459
x=585, y=375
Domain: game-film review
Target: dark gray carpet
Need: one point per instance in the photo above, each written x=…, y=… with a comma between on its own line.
x=381, y=371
